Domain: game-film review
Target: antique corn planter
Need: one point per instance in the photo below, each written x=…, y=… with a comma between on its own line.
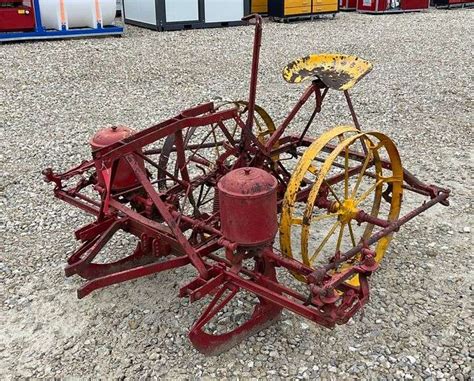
x=215, y=186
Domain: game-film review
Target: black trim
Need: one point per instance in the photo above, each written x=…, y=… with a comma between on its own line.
x=160, y=9
x=202, y=11
x=247, y=7
x=142, y=24
x=276, y=8
x=447, y=3
x=199, y=25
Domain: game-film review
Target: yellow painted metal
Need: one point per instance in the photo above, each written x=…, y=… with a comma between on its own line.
x=265, y=130
x=312, y=199
x=264, y=126
x=396, y=181
x=296, y=7
x=336, y=71
x=297, y=3
x=323, y=6
x=297, y=11
x=259, y=6
x=347, y=210
x=344, y=210
x=295, y=183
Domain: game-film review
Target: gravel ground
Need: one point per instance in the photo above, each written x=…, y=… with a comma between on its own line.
x=55, y=95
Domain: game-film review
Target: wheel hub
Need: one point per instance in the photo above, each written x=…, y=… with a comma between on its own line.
x=347, y=210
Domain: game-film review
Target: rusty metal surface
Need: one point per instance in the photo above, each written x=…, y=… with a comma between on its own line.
x=182, y=217
x=248, y=206
x=336, y=71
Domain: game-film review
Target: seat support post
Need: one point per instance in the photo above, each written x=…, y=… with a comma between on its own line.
x=354, y=118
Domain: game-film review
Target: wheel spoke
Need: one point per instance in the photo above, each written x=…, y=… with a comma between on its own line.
x=201, y=191
x=346, y=168
x=369, y=191
x=332, y=192
x=203, y=200
x=203, y=195
x=299, y=220
x=235, y=130
x=361, y=175
x=188, y=135
x=346, y=173
x=339, y=238
x=193, y=158
x=323, y=217
x=351, y=232
x=194, y=152
x=236, y=122
x=324, y=241
x=218, y=154
x=259, y=127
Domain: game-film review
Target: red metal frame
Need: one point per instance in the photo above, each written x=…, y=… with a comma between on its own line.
x=170, y=238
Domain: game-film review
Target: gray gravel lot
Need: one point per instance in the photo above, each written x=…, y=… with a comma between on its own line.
x=55, y=95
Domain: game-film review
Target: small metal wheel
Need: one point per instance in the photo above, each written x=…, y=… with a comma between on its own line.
x=207, y=146
x=335, y=196
x=208, y=150
x=264, y=126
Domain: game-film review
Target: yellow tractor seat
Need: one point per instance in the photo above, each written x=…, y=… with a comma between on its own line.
x=336, y=71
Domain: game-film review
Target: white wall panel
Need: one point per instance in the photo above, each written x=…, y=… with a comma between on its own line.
x=182, y=10
x=140, y=10
x=223, y=10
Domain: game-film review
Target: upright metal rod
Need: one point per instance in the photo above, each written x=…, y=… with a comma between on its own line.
x=351, y=108
x=255, y=62
x=354, y=118
x=317, y=109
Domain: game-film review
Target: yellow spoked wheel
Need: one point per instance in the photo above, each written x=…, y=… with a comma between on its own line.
x=264, y=126
x=263, y=123
x=340, y=176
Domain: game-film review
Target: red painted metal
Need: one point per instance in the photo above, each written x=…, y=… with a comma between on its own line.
x=391, y=6
x=347, y=5
x=218, y=216
x=16, y=16
x=248, y=206
x=124, y=177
